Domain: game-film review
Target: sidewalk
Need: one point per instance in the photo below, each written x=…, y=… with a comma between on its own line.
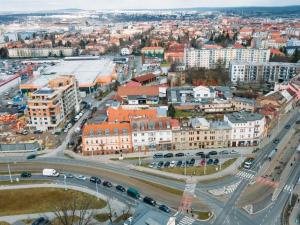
x=117, y=206
x=294, y=217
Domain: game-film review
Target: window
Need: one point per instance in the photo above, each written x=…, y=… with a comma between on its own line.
x=107, y=132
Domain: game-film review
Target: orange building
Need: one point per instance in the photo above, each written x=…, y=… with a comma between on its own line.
x=120, y=114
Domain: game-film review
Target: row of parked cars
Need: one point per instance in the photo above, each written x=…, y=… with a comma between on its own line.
x=183, y=163
x=188, y=154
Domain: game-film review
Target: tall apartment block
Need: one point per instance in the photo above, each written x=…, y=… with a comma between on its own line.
x=49, y=107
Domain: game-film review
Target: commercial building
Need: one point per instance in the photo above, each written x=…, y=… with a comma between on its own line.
x=262, y=71
x=106, y=138
x=49, y=107
x=209, y=57
x=152, y=54
x=247, y=128
x=90, y=72
x=39, y=52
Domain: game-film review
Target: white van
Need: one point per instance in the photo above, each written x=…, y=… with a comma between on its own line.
x=50, y=173
x=248, y=164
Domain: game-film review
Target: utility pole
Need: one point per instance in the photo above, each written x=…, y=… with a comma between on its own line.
x=97, y=190
x=65, y=182
x=9, y=173
x=185, y=165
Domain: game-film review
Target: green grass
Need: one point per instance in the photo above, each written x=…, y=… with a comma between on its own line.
x=161, y=187
x=102, y=217
x=16, y=172
x=203, y=215
x=7, y=182
x=38, y=200
x=199, y=170
x=4, y=223
x=27, y=221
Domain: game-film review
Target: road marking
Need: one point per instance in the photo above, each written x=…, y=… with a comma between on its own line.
x=245, y=175
x=186, y=221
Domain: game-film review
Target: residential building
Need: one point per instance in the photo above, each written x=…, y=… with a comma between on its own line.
x=39, y=52
x=203, y=92
x=210, y=57
x=49, y=107
x=152, y=54
x=243, y=104
x=120, y=114
x=262, y=71
x=106, y=138
x=247, y=128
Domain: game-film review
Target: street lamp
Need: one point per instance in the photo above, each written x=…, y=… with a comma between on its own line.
x=8, y=167
x=65, y=182
x=97, y=190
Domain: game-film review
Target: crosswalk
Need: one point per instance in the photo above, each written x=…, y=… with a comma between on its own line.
x=288, y=188
x=245, y=175
x=230, y=189
x=186, y=221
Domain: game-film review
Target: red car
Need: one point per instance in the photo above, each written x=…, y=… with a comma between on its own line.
x=202, y=162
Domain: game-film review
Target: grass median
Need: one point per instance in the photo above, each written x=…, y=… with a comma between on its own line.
x=199, y=170
x=38, y=200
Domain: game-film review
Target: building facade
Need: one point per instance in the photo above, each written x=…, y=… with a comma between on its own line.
x=209, y=58
x=39, y=52
x=262, y=72
x=48, y=107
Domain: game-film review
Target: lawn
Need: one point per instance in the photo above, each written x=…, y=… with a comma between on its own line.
x=203, y=215
x=199, y=170
x=4, y=223
x=37, y=200
x=122, y=218
x=7, y=182
x=102, y=217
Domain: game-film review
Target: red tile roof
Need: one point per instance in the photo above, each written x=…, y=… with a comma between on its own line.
x=143, y=90
x=102, y=128
x=132, y=84
x=144, y=78
x=120, y=114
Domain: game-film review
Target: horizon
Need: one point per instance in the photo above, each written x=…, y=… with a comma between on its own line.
x=43, y=5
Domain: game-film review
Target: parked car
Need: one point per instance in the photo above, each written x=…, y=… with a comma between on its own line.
x=173, y=164
x=288, y=126
x=25, y=174
x=41, y=221
x=216, y=161
x=158, y=155
x=276, y=141
x=37, y=132
x=224, y=152
x=164, y=208
x=160, y=164
x=200, y=153
x=120, y=188
x=80, y=177
x=179, y=163
x=168, y=155
x=152, y=165
x=94, y=179
x=167, y=164
x=180, y=154
x=234, y=152
x=69, y=175
x=149, y=201
x=210, y=161
x=107, y=184
x=202, y=162
x=298, y=122
x=213, y=153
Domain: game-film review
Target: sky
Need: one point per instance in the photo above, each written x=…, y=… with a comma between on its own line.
x=35, y=5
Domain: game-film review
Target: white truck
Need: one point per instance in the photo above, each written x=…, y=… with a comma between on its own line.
x=50, y=173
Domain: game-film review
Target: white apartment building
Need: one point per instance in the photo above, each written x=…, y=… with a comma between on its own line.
x=39, y=52
x=247, y=128
x=153, y=134
x=207, y=58
x=262, y=71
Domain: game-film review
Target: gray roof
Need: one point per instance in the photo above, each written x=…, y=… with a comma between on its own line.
x=243, y=117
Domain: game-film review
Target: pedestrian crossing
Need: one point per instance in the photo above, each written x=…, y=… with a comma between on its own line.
x=245, y=175
x=186, y=221
x=230, y=189
x=288, y=188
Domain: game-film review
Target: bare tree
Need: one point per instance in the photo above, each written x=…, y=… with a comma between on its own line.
x=76, y=211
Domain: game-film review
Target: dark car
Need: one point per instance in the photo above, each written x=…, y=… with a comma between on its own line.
x=160, y=164
x=158, y=155
x=41, y=221
x=149, y=201
x=164, y=208
x=107, y=184
x=167, y=164
x=210, y=161
x=276, y=141
x=120, y=188
x=200, y=154
x=216, y=161
x=25, y=174
x=32, y=156
x=95, y=180
x=37, y=132
x=180, y=154
x=168, y=155
x=179, y=163
x=288, y=126
x=213, y=153
x=298, y=122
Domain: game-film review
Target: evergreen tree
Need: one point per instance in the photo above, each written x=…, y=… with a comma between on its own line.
x=171, y=111
x=296, y=56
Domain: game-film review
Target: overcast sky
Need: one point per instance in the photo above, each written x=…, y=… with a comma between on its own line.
x=33, y=5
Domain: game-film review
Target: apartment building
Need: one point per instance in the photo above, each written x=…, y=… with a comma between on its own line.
x=153, y=134
x=262, y=71
x=48, y=107
x=39, y=52
x=106, y=138
x=243, y=104
x=209, y=57
x=247, y=128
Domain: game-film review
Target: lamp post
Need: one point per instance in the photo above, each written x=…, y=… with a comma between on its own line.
x=8, y=167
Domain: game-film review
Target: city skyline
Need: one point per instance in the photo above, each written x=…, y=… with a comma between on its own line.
x=36, y=5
